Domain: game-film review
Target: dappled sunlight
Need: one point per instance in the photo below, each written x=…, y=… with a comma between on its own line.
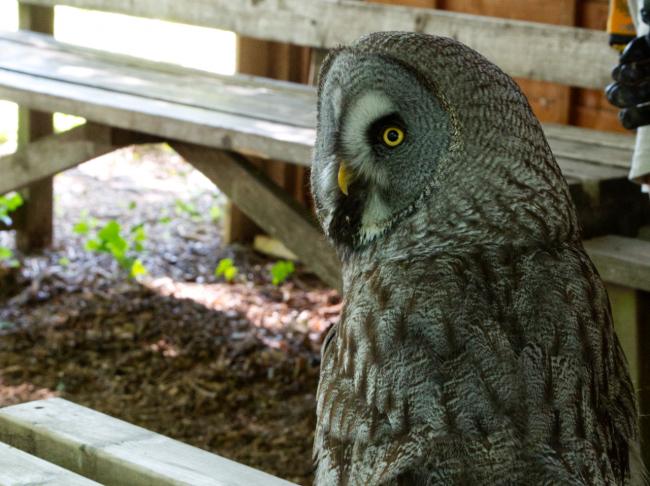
x=23, y=392
x=274, y=311
x=128, y=168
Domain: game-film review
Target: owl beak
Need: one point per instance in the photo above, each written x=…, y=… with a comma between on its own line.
x=344, y=178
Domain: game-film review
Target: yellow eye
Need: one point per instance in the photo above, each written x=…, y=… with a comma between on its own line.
x=393, y=136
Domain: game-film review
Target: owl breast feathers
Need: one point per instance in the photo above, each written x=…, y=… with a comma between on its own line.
x=476, y=343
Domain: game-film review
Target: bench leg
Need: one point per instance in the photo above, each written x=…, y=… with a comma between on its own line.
x=631, y=313
x=35, y=231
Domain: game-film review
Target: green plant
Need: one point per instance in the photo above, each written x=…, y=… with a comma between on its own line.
x=226, y=268
x=183, y=207
x=8, y=204
x=109, y=239
x=282, y=270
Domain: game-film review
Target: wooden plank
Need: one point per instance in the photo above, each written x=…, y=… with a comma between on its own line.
x=589, y=136
x=600, y=155
x=53, y=154
x=621, y=260
x=585, y=171
x=37, y=227
x=242, y=95
x=268, y=206
x=18, y=468
x=162, y=118
x=117, y=453
x=523, y=49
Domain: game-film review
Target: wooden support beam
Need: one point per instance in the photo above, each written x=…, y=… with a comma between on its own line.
x=18, y=468
x=268, y=205
x=36, y=230
x=42, y=159
x=114, y=452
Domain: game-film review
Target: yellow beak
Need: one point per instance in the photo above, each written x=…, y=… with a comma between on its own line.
x=344, y=178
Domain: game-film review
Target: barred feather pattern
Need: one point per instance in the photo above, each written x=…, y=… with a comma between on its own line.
x=476, y=343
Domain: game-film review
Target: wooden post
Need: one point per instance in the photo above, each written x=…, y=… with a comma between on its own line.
x=36, y=228
x=279, y=61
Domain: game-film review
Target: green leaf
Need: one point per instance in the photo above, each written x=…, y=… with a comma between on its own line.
x=93, y=245
x=110, y=232
x=137, y=269
x=117, y=247
x=139, y=234
x=81, y=228
x=281, y=270
x=223, y=264
x=230, y=273
x=215, y=213
x=5, y=253
x=165, y=220
x=227, y=269
x=13, y=263
x=133, y=205
x=64, y=261
x=12, y=201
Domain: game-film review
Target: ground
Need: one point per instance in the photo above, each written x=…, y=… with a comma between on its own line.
x=228, y=367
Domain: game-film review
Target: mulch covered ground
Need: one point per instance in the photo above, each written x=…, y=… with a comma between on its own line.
x=228, y=367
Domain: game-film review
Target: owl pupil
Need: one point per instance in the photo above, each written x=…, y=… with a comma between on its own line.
x=392, y=135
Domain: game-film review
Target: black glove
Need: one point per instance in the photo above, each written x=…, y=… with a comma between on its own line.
x=631, y=88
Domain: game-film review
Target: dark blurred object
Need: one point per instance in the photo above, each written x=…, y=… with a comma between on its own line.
x=630, y=90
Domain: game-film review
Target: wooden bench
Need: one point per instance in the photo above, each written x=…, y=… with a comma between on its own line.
x=104, y=449
x=210, y=119
x=18, y=468
x=215, y=122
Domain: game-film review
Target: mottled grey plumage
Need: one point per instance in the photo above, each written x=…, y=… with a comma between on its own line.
x=476, y=343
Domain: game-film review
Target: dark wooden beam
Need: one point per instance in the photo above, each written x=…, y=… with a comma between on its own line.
x=36, y=230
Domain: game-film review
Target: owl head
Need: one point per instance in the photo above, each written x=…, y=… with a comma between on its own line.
x=422, y=136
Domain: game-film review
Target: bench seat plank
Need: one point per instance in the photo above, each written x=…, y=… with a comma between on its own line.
x=621, y=260
x=250, y=115
x=18, y=468
x=40, y=55
x=115, y=452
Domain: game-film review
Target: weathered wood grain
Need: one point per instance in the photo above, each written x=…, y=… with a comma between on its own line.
x=53, y=154
x=524, y=49
x=162, y=118
x=268, y=206
x=621, y=260
x=18, y=468
x=114, y=452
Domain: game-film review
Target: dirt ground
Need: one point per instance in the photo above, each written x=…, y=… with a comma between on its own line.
x=228, y=367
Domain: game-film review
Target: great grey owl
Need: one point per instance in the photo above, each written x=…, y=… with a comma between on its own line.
x=476, y=343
